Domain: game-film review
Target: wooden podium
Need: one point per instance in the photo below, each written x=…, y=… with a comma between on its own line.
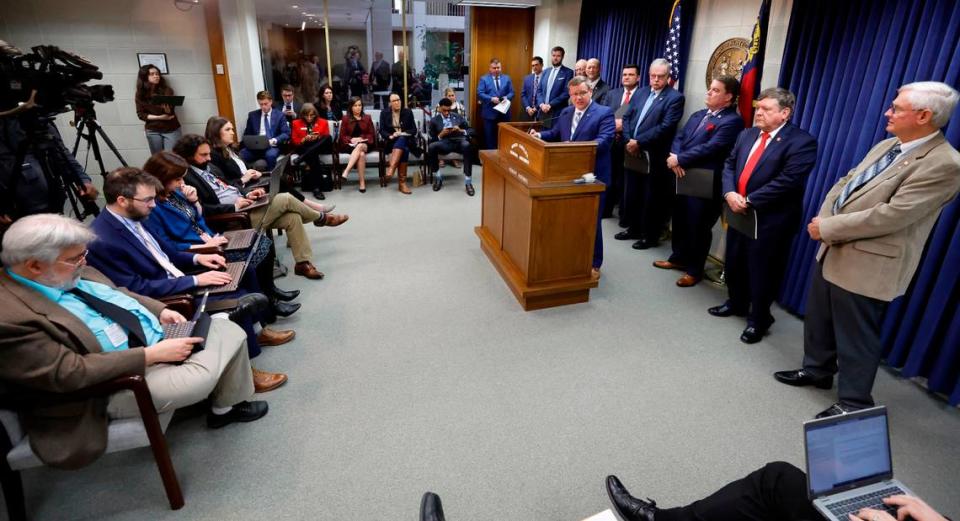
x=537, y=226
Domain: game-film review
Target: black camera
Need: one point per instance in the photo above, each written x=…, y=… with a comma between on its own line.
x=57, y=76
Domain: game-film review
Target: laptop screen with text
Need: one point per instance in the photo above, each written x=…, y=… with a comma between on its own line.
x=848, y=453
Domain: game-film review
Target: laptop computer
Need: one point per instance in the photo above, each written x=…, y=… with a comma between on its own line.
x=266, y=181
x=242, y=239
x=274, y=186
x=236, y=271
x=848, y=463
x=199, y=326
x=256, y=142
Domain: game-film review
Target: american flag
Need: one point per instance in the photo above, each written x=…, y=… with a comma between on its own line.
x=671, y=50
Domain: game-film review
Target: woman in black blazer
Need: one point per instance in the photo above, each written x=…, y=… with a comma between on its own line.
x=327, y=106
x=222, y=136
x=398, y=132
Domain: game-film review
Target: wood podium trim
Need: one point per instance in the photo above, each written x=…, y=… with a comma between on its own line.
x=218, y=56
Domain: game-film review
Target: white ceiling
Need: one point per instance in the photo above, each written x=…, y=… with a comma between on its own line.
x=344, y=14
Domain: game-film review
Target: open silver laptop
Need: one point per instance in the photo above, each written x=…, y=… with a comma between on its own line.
x=848, y=463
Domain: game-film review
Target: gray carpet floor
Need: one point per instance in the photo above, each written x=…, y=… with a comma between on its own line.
x=415, y=369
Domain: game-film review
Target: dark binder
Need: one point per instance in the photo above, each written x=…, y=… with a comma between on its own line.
x=745, y=223
x=173, y=101
x=698, y=182
x=639, y=164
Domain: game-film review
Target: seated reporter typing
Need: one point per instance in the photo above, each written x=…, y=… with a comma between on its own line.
x=57, y=336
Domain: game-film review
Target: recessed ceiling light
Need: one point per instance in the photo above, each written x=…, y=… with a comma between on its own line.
x=295, y=6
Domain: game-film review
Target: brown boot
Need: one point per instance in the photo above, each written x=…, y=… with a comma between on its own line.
x=264, y=381
x=403, y=180
x=271, y=337
x=306, y=269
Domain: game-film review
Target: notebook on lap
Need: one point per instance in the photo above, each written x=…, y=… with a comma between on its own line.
x=848, y=463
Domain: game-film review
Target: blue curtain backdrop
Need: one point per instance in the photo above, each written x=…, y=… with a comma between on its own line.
x=620, y=33
x=844, y=61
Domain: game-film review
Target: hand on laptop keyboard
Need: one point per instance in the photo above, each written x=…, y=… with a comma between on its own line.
x=171, y=350
x=169, y=316
x=213, y=278
x=906, y=507
x=211, y=260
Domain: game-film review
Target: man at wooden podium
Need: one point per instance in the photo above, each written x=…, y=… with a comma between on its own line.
x=587, y=121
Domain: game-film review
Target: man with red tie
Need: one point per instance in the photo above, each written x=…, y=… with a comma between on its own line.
x=766, y=172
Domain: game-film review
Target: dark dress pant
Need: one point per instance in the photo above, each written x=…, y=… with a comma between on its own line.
x=754, y=273
x=778, y=491
x=843, y=329
x=693, y=221
x=615, y=189
x=447, y=146
x=310, y=155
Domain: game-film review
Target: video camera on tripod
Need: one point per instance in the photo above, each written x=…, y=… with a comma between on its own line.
x=34, y=88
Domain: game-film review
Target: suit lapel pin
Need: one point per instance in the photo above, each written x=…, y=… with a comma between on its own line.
x=778, y=138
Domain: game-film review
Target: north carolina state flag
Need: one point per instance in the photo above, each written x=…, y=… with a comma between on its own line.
x=753, y=69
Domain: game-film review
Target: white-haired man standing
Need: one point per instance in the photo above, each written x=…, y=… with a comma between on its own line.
x=64, y=327
x=872, y=227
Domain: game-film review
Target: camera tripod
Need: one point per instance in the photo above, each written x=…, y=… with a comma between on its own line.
x=85, y=121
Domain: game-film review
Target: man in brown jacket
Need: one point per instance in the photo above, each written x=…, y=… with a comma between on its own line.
x=64, y=326
x=872, y=227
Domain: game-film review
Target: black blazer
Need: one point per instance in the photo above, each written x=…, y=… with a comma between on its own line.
x=407, y=124
x=229, y=169
x=334, y=107
x=208, y=198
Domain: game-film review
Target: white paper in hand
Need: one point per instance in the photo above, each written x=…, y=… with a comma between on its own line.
x=606, y=515
x=503, y=107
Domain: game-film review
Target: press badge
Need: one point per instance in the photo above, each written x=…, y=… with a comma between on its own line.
x=116, y=334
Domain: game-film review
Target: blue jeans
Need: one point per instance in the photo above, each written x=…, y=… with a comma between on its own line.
x=158, y=141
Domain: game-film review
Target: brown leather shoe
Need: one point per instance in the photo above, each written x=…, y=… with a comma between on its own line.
x=687, y=280
x=264, y=381
x=272, y=337
x=307, y=269
x=667, y=265
x=331, y=219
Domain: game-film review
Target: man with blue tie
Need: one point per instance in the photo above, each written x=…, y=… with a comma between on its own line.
x=587, y=121
x=530, y=94
x=269, y=122
x=554, y=94
x=766, y=172
x=492, y=89
x=648, y=129
x=872, y=228
x=704, y=142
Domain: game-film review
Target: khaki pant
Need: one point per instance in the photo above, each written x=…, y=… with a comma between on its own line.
x=221, y=370
x=286, y=213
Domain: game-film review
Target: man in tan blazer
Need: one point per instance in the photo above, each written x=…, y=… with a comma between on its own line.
x=872, y=227
x=64, y=326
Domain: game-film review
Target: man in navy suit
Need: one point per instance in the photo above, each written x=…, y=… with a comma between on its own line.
x=554, y=88
x=288, y=104
x=615, y=99
x=765, y=172
x=648, y=129
x=587, y=121
x=704, y=142
x=270, y=122
x=530, y=94
x=492, y=89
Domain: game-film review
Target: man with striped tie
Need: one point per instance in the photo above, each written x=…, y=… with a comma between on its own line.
x=872, y=228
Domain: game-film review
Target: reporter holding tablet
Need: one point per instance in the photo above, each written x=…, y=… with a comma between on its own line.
x=160, y=121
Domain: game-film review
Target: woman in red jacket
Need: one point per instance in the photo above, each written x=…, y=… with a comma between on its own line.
x=357, y=135
x=311, y=137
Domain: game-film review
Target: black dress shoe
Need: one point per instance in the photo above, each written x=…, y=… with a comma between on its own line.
x=437, y=182
x=249, y=305
x=836, y=410
x=725, y=310
x=628, y=507
x=752, y=335
x=318, y=194
x=431, y=509
x=284, y=309
x=801, y=378
x=285, y=295
x=644, y=244
x=470, y=190
x=624, y=236
x=241, y=412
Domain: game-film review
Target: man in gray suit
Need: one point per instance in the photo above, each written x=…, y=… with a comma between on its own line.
x=872, y=227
